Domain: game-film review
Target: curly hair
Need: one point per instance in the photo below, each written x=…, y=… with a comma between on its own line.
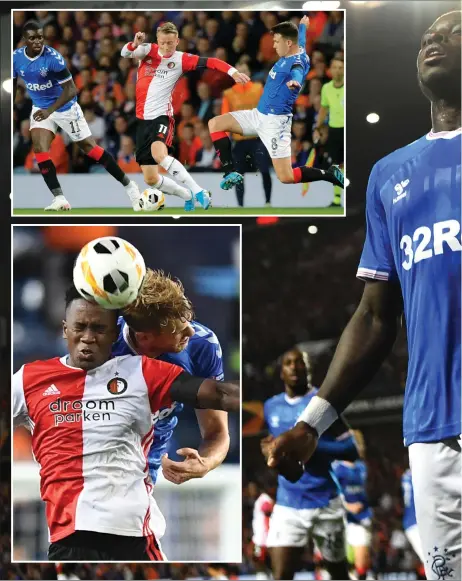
x=160, y=302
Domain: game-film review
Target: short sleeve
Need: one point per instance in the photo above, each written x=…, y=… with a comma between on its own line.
x=213, y=361
x=324, y=97
x=377, y=260
x=159, y=377
x=20, y=413
x=56, y=62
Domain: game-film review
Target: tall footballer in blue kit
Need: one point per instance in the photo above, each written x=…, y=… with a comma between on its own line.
x=160, y=324
x=312, y=506
x=44, y=72
x=412, y=257
x=271, y=120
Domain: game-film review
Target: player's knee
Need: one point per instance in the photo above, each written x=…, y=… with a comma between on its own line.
x=159, y=151
x=212, y=124
x=286, y=178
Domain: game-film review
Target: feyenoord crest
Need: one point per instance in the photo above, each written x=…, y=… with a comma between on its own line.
x=44, y=72
x=171, y=65
x=117, y=385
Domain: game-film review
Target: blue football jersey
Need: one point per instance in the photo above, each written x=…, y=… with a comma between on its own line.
x=413, y=237
x=409, y=518
x=202, y=358
x=43, y=76
x=277, y=98
x=352, y=480
x=317, y=487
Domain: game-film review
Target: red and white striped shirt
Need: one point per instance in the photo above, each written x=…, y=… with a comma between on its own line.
x=158, y=75
x=91, y=433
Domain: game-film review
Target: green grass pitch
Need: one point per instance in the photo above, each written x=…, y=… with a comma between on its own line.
x=179, y=211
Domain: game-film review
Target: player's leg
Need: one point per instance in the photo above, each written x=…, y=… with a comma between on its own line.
x=437, y=482
x=75, y=125
x=161, y=137
x=335, y=149
x=285, y=561
x=163, y=183
x=358, y=537
x=42, y=134
x=263, y=163
x=275, y=133
x=240, y=122
x=239, y=155
x=287, y=539
x=329, y=535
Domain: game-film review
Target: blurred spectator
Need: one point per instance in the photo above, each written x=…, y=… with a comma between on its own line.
x=187, y=117
x=22, y=143
x=189, y=146
x=126, y=156
x=58, y=154
x=267, y=55
x=333, y=32
x=205, y=108
x=96, y=125
x=105, y=86
x=207, y=156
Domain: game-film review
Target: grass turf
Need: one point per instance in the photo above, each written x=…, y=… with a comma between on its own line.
x=180, y=211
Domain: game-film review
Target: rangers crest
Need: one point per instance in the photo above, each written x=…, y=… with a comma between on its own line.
x=43, y=71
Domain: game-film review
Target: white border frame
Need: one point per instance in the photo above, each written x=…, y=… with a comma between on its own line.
x=189, y=215
x=64, y=225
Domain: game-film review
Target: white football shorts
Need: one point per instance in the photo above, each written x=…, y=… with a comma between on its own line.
x=71, y=121
x=412, y=534
x=292, y=527
x=437, y=481
x=358, y=535
x=273, y=130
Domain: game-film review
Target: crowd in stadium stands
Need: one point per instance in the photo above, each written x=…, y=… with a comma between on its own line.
x=91, y=42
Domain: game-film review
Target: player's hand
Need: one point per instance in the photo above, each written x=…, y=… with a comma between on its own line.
x=241, y=78
x=41, y=115
x=139, y=38
x=305, y=20
x=299, y=443
x=265, y=446
x=193, y=466
x=293, y=84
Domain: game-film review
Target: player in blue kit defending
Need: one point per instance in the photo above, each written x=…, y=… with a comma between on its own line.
x=54, y=97
x=272, y=119
x=412, y=254
x=312, y=506
x=352, y=477
x=160, y=324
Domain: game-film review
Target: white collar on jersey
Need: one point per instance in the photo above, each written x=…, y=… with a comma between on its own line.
x=444, y=134
x=128, y=339
x=35, y=57
x=292, y=400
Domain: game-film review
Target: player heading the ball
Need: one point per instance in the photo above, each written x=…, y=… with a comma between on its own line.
x=54, y=98
x=91, y=421
x=271, y=120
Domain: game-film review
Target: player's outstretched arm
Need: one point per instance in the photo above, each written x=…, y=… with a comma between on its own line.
x=363, y=346
x=192, y=62
x=218, y=395
x=304, y=23
x=136, y=49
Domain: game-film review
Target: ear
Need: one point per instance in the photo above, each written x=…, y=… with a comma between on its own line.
x=64, y=329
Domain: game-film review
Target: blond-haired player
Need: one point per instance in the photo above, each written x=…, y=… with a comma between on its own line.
x=159, y=69
x=160, y=324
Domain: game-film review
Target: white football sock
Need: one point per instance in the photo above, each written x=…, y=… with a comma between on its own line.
x=168, y=186
x=178, y=171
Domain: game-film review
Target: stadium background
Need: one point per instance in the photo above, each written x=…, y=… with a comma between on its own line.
x=91, y=42
x=382, y=47
x=43, y=263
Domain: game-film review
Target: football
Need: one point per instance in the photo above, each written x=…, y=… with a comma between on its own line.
x=152, y=200
x=109, y=271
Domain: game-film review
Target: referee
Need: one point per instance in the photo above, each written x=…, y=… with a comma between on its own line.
x=333, y=105
x=247, y=151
